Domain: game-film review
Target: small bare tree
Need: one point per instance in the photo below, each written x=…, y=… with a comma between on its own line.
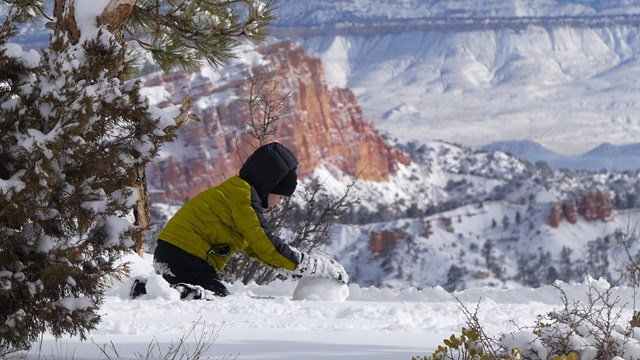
x=594, y=319
x=491, y=346
x=628, y=239
x=306, y=222
x=268, y=101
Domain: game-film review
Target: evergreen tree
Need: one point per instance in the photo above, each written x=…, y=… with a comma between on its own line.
x=487, y=253
x=597, y=261
x=552, y=275
x=543, y=266
x=505, y=221
x=75, y=136
x=455, y=278
x=633, y=200
x=67, y=168
x=566, y=265
x=413, y=211
x=525, y=275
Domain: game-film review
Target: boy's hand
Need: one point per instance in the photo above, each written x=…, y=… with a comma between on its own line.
x=320, y=266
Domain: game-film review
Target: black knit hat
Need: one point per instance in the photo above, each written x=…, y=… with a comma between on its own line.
x=287, y=185
x=271, y=169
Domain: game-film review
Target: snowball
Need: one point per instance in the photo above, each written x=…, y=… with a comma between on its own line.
x=310, y=288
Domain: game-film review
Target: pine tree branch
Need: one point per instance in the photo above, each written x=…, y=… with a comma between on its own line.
x=165, y=21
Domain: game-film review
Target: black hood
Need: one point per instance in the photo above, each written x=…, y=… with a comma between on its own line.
x=267, y=167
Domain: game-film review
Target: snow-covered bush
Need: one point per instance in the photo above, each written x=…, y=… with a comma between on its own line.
x=587, y=330
x=75, y=136
x=592, y=329
x=71, y=133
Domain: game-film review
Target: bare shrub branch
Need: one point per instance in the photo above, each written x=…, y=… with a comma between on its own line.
x=492, y=346
x=194, y=344
x=267, y=102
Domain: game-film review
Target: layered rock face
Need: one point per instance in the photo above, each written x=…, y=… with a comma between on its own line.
x=321, y=125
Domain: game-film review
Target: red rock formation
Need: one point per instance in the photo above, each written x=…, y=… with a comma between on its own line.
x=323, y=125
x=604, y=206
x=571, y=211
x=591, y=206
x=555, y=215
x=588, y=207
x=426, y=228
x=448, y=224
x=383, y=241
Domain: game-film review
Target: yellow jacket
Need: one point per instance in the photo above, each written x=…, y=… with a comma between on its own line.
x=225, y=219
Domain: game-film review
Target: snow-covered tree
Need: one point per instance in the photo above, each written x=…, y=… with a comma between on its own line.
x=75, y=136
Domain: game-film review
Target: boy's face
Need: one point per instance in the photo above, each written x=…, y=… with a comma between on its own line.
x=274, y=201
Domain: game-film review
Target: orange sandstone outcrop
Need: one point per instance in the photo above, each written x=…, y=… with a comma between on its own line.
x=323, y=124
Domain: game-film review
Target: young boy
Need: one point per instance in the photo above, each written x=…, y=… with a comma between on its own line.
x=201, y=237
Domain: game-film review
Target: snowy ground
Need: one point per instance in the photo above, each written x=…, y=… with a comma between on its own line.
x=263, y=322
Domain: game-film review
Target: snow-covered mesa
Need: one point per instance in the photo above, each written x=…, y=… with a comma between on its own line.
x=264, y=322
x=561, y=73
x=327, y=13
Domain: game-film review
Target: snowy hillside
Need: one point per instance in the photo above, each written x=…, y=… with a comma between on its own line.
x=494, y=244
x=567, y=82
x=476, y=218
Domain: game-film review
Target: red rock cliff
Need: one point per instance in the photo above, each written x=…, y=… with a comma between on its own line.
x=323, y=125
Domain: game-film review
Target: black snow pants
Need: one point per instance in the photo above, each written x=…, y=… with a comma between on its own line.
x=181, y=269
